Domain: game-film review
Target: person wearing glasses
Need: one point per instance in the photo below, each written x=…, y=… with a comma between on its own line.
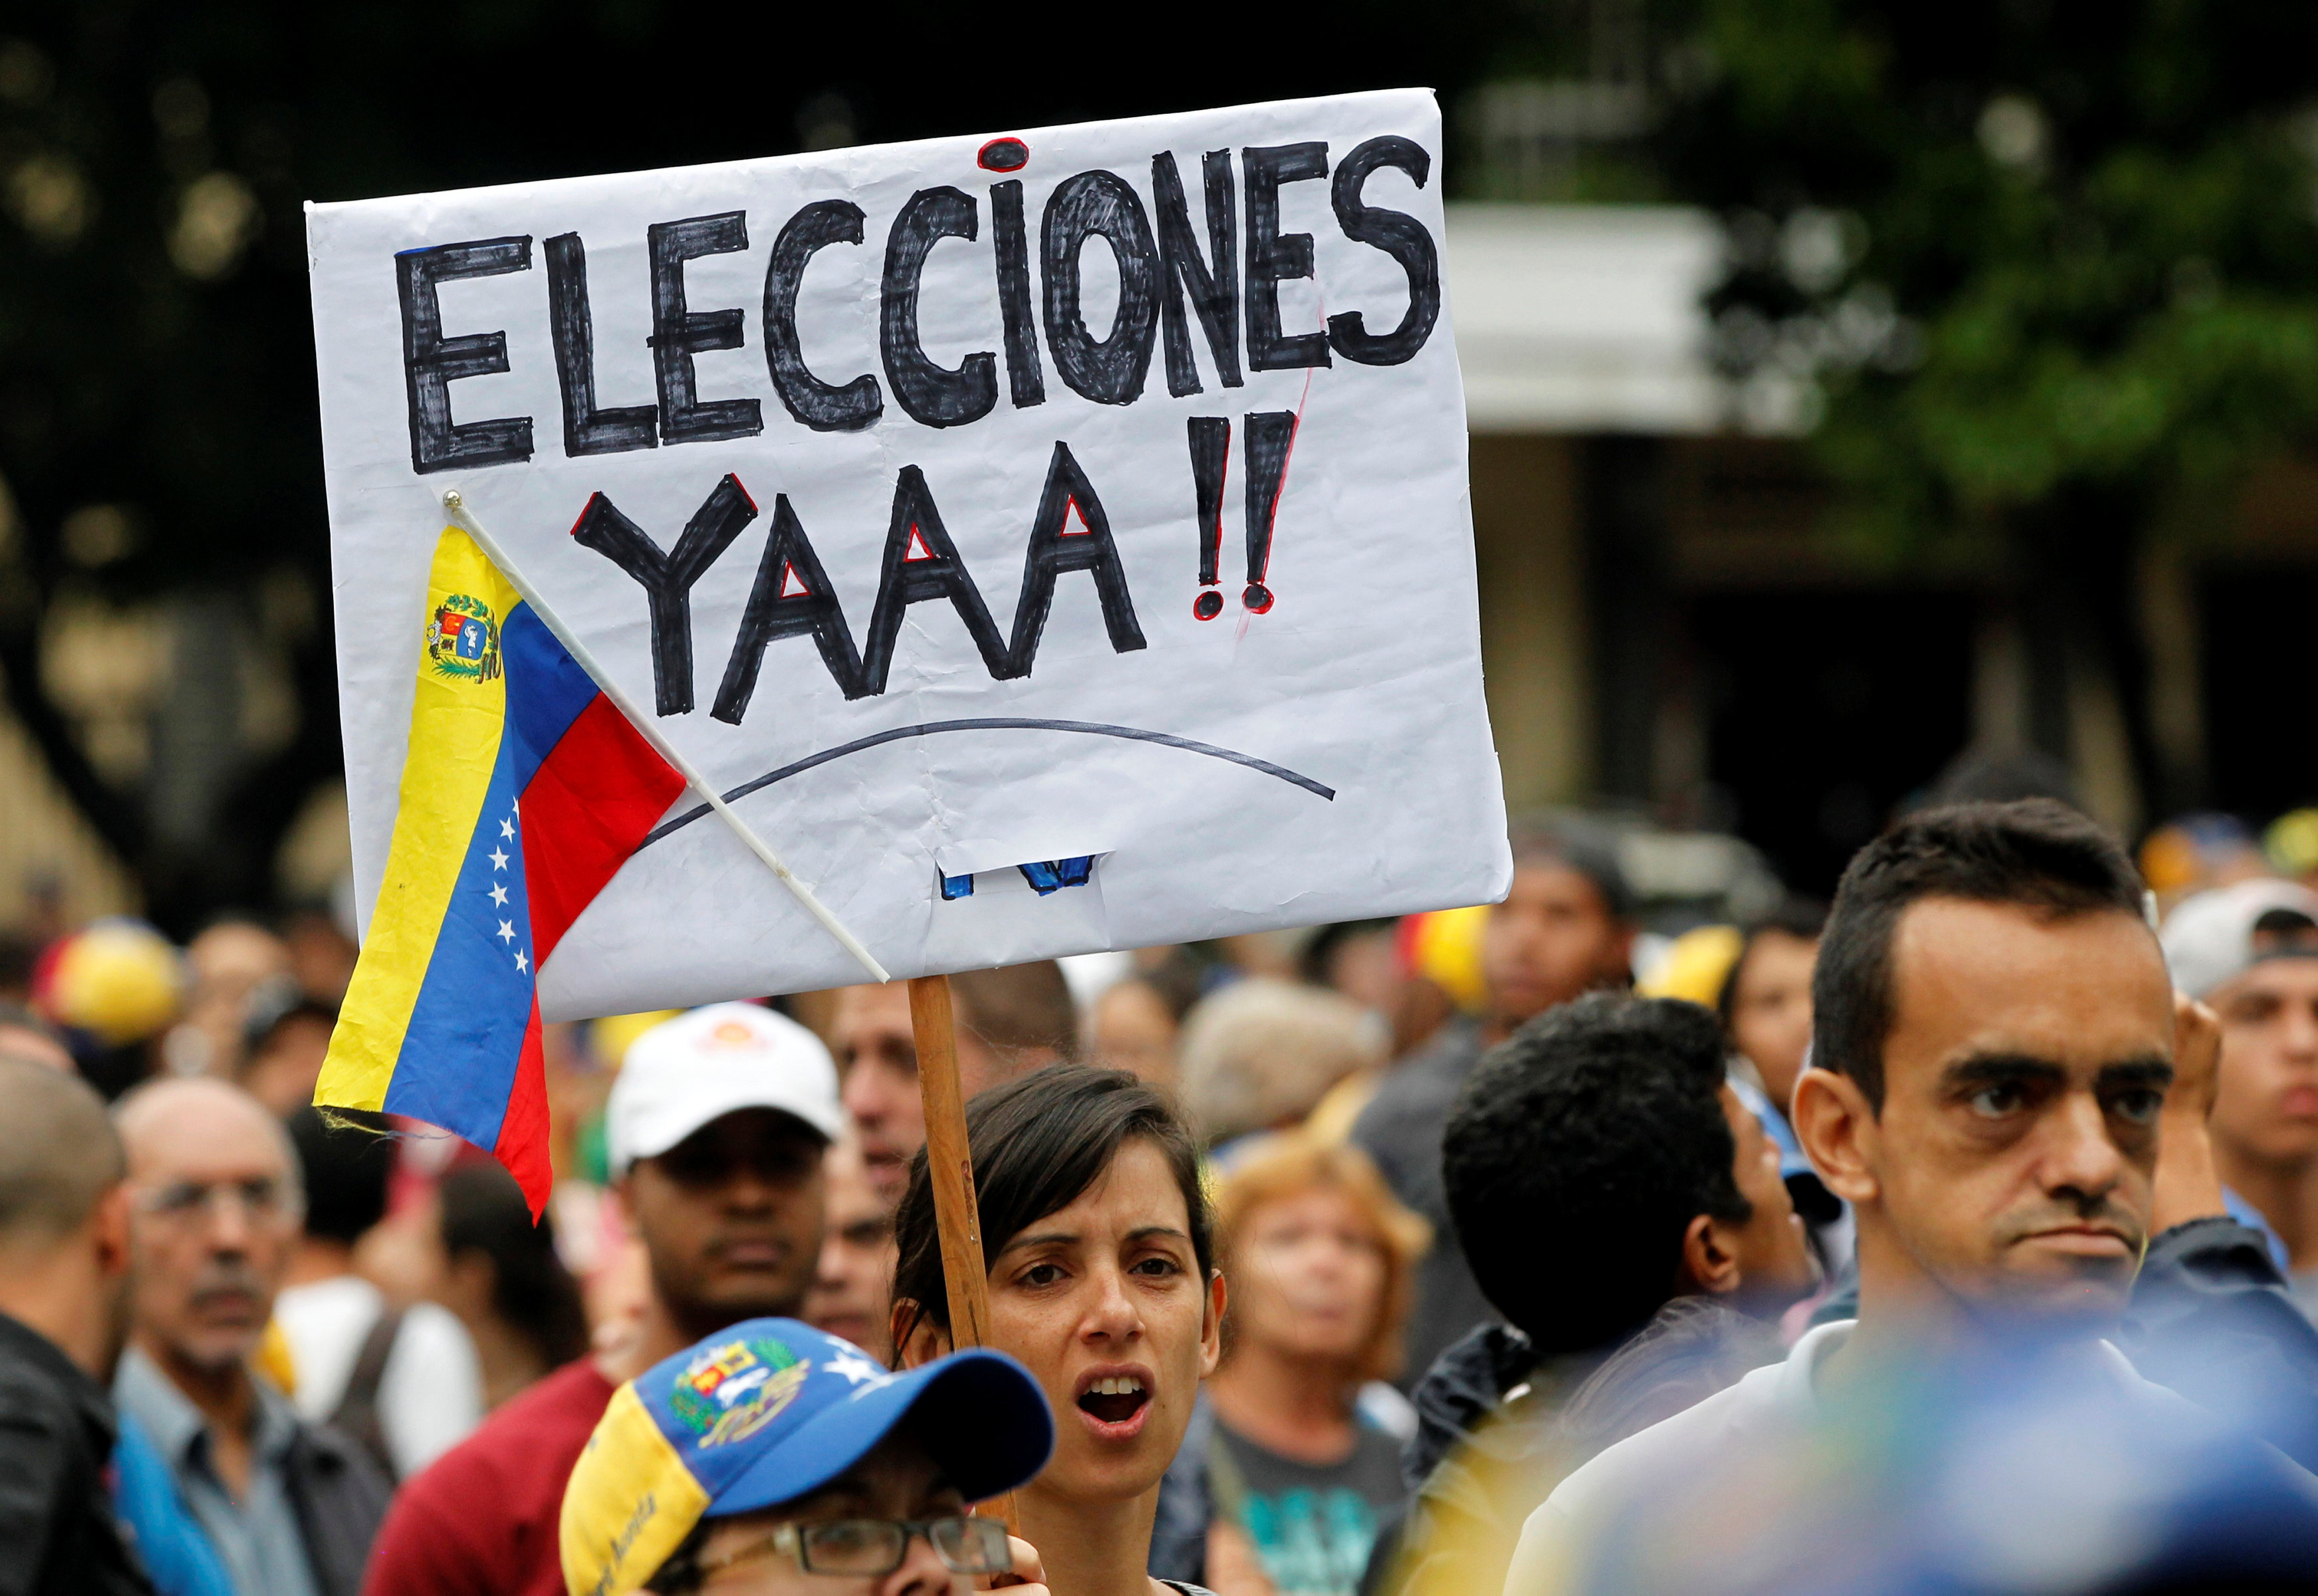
x=289, y=1508
x=771, y=1457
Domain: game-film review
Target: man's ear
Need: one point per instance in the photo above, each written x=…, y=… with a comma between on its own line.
x=1838, y=1133
x=109, y=1225
x=918, y=1338
x=1211, y=1325
x=1709, y=1259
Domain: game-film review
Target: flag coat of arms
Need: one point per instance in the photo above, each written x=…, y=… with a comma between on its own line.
x=523, y=791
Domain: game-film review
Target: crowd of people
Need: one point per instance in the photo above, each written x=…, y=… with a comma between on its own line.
x=1961, y=1233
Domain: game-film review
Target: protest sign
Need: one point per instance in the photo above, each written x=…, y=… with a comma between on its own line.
x=1047, y=543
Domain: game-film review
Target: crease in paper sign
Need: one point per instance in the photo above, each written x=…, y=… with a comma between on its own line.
x=1006, y=921
x=973, y=856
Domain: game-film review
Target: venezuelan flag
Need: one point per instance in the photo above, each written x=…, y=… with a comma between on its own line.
x=523, y=791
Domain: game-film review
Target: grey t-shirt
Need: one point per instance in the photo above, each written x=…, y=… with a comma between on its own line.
x=1312, y=1525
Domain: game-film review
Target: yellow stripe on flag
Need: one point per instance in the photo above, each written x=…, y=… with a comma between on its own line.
x=630, y=1503
x=456, y=723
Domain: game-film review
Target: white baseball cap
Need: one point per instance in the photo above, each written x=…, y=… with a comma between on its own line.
x=2216, y=936
x=712, y=1061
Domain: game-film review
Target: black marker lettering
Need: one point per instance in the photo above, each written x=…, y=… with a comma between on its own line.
x=680, y=332
x=1210, y=441
x=1399, y=236
x=1026, y=383
x=431, y=362
x=819, y=405
x=1060, y=543
x=1110, y=372
x=921, y=563
x=1273, y=258
x=1215, y=293
x=587, y=430
x=792, y=597
x=932, y=394
x=1271, y=435
x=667, y=578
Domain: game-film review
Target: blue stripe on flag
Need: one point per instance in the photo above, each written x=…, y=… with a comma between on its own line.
x=465, y=1039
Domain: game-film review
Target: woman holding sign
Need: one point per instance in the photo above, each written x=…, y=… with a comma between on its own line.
x=1102, y=1281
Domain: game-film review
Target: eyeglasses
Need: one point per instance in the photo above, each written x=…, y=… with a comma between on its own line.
x=265, y=1202
x=875, y=1546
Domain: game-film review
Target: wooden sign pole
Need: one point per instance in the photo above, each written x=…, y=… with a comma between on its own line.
x=949, y=1161
x=949, y=1166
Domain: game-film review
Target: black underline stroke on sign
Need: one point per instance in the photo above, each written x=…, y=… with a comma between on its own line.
x=991, y=723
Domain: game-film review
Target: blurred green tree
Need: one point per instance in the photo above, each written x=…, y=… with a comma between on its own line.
x=2050, y=267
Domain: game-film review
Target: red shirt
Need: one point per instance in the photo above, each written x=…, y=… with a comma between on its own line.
x=483, y=1517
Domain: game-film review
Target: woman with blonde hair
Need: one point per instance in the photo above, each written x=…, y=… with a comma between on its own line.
x=1321, y=1258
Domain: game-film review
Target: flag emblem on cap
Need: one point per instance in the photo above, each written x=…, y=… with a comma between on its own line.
x=732, y=1390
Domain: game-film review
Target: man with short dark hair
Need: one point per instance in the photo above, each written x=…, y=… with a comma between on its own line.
x=1599, y=1168
x=716, y=1131
x=1565, y=927
x=1996, y=1037
x=64, y=1313
x=1010, y=1020
x=1610, y=1124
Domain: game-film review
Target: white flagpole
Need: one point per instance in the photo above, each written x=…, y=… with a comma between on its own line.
x=456, y=504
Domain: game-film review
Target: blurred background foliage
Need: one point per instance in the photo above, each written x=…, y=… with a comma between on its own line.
x=2050, y=269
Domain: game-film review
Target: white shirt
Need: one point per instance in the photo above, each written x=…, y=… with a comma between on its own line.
x=431, y=1392
x=1759, y=1414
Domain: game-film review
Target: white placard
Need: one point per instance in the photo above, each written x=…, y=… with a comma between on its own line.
x=1184, y=383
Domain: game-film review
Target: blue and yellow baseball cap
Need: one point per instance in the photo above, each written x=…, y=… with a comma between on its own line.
x=768, y=1411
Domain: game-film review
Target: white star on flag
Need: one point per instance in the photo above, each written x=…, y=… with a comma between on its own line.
x=521, y=964
x=507, y=829
x=499, y=895
x=507, y=931
x=498, y=860
x=858, y=1369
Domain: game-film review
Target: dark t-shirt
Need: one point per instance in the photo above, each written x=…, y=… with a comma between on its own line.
x=1312, y=1526
x=1400, y=1129
x=483, y=1517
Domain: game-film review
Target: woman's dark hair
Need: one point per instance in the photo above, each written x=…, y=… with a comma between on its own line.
x=1038, y=1142
x=1802, y=919
x=484, y=1211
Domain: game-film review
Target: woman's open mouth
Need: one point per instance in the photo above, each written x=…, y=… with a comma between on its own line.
x=1114, y=1405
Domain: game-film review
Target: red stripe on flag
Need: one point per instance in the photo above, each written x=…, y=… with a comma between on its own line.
x=522, y=1145
x=588, y=807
